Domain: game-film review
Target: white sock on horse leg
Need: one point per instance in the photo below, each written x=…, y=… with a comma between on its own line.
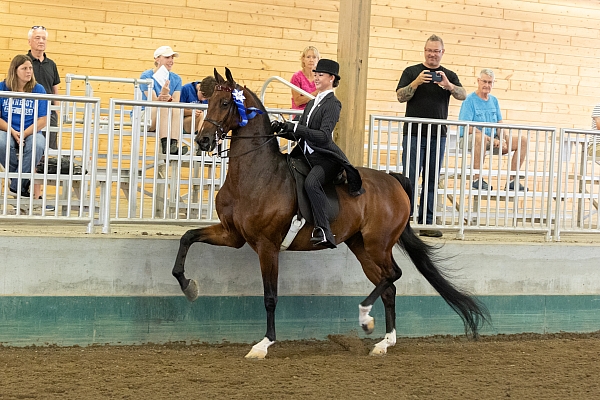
x=363, y=315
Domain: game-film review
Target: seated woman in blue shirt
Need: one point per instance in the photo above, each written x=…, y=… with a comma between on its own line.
x=169, y=91
x=23, y=131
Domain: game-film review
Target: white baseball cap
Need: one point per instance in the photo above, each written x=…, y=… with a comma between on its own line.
x=165, y=51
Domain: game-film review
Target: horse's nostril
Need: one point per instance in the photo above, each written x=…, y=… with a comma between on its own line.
x=204, y=144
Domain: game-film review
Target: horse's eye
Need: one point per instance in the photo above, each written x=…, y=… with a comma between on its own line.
x=225, y=103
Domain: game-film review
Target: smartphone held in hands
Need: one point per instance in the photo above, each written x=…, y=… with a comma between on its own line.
x=434, y=76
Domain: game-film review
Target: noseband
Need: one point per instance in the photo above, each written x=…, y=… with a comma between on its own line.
x=219, y=126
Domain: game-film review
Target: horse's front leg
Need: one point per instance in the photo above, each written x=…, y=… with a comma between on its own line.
x=269, y=267
x=216, y=235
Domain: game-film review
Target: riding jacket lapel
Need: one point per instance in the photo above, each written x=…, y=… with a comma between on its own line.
x=317, y=114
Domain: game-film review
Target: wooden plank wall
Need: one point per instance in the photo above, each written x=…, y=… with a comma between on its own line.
x=543, y=51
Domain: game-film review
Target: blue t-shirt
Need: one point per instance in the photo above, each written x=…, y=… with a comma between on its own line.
x=474, y=108
x=189, y=94
x=17, y=104
x=174, y=84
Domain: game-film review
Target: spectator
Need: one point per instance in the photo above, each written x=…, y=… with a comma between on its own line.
x=481, y=106
x=45, y=71
x=427, y=98
x=196, y=93
x=314, y=134
x=20, y=135
x=169, y=92
x=304, y=78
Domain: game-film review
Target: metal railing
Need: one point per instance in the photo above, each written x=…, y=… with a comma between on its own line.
x=68, y=188
x=560, y=192
x=116, y=172
x=287, y=83
x=578, y=182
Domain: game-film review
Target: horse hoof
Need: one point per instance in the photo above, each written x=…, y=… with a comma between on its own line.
x=255, y=354
x=259, y=350
x=378, y=351
x=191, y=291
x=369, y=327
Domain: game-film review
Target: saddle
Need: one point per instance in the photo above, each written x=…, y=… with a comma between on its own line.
x=300, y=169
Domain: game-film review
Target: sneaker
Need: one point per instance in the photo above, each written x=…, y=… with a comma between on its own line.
x=511, y=187
x=173, y=148
x=431, y=233
x=49, y=207
x=484, y=185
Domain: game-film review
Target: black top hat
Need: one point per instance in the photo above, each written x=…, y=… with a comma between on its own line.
x=328, y=66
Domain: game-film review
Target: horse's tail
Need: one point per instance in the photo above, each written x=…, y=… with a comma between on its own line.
x=405, y=182
x=472, y=312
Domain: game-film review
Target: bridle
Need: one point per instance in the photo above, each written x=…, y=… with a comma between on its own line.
x=223, y=133
x=219, y=125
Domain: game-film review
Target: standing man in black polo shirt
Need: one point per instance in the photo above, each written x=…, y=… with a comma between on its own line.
x=426, y=88
x=44, y=70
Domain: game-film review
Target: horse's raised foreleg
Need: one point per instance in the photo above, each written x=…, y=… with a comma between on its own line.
x=269, y=266
x=214, y=234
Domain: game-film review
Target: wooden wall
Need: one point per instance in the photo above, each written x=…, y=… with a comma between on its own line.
x=544, y=52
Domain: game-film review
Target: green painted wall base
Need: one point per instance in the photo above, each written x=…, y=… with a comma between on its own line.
x=85, y=320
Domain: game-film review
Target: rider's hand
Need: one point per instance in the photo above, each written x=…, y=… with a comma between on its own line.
x=289, y=127
x=277, y=126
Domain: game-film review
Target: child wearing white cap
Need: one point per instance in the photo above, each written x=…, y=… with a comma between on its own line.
x=167, y=88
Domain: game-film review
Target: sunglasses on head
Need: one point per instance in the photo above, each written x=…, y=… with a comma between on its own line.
x=38, y=27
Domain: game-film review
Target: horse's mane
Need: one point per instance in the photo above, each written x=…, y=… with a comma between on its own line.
x=274, y=144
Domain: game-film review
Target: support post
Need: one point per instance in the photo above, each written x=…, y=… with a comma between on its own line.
x=353, y=56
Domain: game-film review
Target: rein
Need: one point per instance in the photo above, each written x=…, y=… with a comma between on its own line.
x=220, y=152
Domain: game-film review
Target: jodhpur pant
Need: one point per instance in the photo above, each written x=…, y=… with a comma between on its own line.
x=323, y=170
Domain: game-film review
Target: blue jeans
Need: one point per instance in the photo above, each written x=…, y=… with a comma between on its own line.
x=410, y=169
x=27, y=155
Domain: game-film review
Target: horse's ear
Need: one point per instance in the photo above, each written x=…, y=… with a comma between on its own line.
x=219, y=78
x=229, y=77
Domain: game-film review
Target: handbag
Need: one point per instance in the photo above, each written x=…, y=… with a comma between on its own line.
x=65, y=163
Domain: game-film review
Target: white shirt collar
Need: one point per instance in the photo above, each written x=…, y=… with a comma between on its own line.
x=321, y=95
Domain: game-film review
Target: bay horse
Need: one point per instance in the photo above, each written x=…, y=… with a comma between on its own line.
x=257, y=202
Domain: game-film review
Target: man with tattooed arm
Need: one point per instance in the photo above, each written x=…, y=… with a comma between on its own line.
x=426, y=88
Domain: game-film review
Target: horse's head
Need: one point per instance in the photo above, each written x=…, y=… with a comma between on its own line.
x=226, y=111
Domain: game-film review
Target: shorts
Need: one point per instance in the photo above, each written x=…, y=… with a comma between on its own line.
x=471, y=142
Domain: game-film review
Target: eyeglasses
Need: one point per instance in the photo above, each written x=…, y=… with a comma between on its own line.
x=486, y=82
x=38, y=27
x=436, y=51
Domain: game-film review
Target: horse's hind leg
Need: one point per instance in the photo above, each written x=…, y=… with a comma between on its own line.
x=214, y=234
x=389, y=302
x=381, y=277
